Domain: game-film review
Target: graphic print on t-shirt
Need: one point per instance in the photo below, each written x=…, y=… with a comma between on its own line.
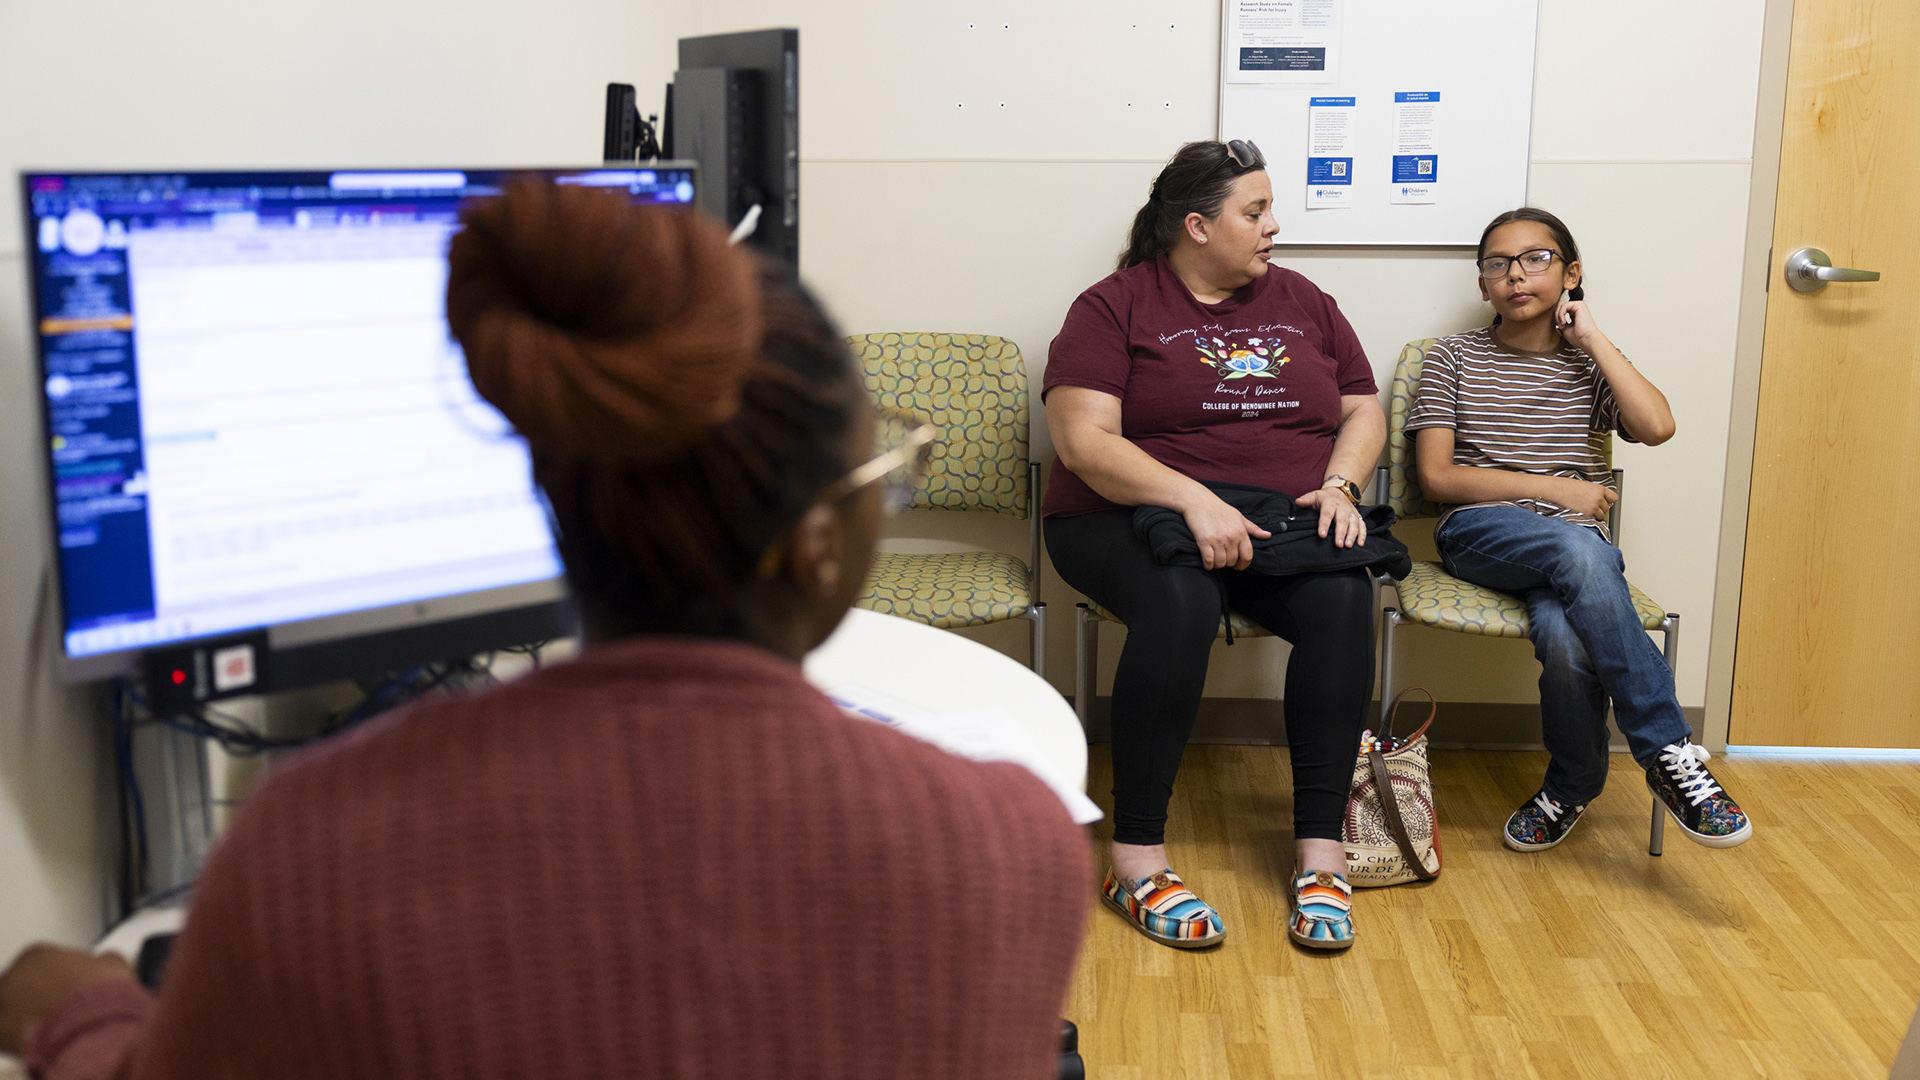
x=1234, y=355
x=1257, y=358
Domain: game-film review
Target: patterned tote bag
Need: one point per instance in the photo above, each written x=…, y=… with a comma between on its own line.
x=1392, y=832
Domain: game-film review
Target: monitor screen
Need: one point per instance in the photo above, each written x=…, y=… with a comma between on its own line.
x=255, y=414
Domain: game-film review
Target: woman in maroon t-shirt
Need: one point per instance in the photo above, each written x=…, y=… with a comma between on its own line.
x=1199, y=361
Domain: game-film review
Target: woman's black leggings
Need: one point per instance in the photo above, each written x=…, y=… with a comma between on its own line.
x=1173, y=615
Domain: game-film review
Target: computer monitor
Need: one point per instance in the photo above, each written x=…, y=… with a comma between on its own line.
x=256, y=419
x=734, y=107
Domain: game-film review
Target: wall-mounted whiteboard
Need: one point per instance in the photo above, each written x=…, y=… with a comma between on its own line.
x=1423, y=113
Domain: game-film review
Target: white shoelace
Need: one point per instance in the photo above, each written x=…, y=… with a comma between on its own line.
x=1683, y=760
x=1547, y=806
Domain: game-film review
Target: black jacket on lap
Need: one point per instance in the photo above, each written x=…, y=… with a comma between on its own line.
x=1295, y=546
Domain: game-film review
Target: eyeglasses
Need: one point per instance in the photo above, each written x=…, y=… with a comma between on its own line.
x=902, y=445
x=1239, y=151
x=1533, y=262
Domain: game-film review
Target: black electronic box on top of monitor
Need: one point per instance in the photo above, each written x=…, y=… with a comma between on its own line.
x=259, y=430
x=734, y=107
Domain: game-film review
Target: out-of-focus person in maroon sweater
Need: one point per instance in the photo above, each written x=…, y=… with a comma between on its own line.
x=671, y=857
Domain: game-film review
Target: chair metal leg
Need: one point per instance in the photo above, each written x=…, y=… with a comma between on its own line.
x=1086, y=640
x=1657, y=832
x=1033, y=529
x=1038, y=613
x=1390, y=621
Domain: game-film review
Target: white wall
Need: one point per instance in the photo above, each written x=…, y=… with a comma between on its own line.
x=928, y=205
x=52, y=865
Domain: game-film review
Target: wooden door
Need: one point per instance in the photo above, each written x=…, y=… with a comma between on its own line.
x=1829, y=642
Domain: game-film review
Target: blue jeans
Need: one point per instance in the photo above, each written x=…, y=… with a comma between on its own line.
x=1585, y=633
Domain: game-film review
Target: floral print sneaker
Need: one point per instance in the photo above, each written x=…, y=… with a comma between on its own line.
x=1541, y=823
x=1695, y=800
x=1322, y=910
x=1163, y=908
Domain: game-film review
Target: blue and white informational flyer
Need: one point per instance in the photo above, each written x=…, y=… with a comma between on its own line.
x=1330, y=153
x=1283, y=41
x=1416, y=146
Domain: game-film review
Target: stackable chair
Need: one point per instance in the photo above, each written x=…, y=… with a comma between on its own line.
x=973, y=388
x=1432, y=597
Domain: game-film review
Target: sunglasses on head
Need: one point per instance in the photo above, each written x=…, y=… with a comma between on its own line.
x=1240, y=152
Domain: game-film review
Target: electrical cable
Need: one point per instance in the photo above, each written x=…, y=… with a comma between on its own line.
x=531, y=651
x=237, y=738
x=135, y=856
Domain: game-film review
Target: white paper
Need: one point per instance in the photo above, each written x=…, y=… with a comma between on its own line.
x=1416, y=146
x=1283, y=41
x=990, y=734
x=1330, y=126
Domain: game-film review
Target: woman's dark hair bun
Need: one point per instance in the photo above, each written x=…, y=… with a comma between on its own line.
x=605, y=332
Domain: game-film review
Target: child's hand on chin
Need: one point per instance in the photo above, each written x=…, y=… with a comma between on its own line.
x=1574, y=320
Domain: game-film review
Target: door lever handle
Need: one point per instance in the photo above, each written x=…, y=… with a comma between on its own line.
x=1809, y=270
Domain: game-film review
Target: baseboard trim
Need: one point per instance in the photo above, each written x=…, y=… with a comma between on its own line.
x=1473, y=725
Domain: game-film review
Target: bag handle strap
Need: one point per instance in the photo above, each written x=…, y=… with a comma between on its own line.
x=1393, y=712
x=1390, y=810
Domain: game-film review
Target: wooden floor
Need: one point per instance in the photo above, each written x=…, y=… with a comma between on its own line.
x=1794, y=955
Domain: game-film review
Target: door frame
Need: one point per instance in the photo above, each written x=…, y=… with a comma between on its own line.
x=1769, y=129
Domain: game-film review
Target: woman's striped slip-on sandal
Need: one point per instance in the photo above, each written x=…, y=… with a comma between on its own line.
x=1164, y=909
x=1322, y=910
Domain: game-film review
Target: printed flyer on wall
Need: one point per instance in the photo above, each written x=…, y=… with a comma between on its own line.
x=1416, y=146
x=1330, y=153
x=1283, y=41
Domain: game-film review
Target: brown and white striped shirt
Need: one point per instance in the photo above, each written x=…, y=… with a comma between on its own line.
x=1527, y=412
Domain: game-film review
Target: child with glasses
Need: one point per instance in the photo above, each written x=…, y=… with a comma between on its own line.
x=1513, y=420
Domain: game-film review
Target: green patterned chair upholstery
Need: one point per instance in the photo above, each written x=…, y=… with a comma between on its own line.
x=974, y=389
x=1432, y=597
